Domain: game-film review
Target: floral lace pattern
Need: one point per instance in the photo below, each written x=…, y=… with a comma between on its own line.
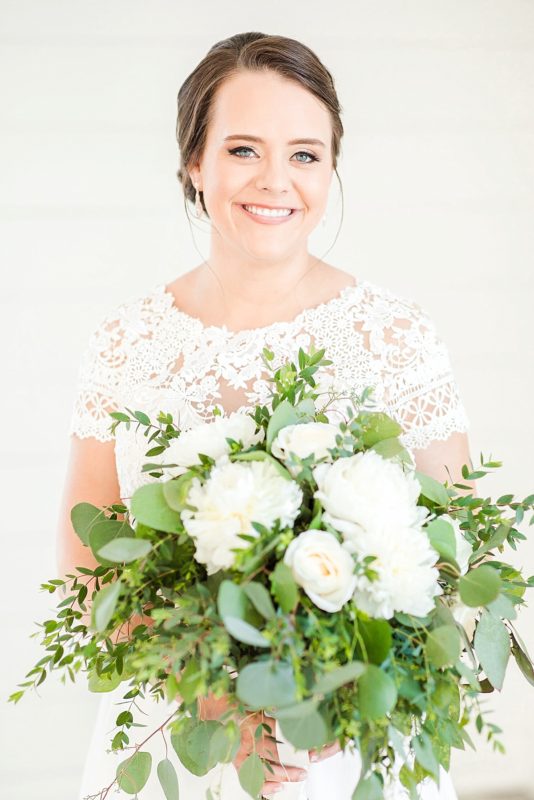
x=150, y=355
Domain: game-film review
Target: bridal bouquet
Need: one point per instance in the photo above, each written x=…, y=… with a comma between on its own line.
x=299, y=567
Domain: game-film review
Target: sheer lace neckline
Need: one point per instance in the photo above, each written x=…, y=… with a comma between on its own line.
x=332, y=304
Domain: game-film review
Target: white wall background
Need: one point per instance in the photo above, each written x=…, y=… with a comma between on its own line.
x=438, y=173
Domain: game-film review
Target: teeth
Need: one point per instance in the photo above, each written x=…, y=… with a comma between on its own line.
x=269, y=212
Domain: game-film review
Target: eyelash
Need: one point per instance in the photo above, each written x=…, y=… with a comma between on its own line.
x=235, y=150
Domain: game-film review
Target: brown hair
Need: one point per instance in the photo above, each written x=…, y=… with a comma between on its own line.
x=246, y=51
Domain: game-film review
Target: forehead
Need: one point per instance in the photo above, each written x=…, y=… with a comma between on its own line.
x=267, y=105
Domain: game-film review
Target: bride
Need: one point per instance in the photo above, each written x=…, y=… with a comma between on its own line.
x=259, y=133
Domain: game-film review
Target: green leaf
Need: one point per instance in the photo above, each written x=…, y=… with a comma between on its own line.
x=522, y=660
x=168, y=779
x=125, y=550
x=443, y=645
x=231, y=600
x=305, y=732
x=83, y=516
x=244, y=632
x=300, y=709
x=283, y=415
x=368, y=788
x=192, y=744
x=442, y=538
x=104, y=605
x=479, y=586
x=104, y=532
x=502, y=607
x=105, y=682
x=266, y=684
x=190, y=683
x=150, y=507
x=492, y=646
x=377, y=693
x=377, y=638
x=388, y=448
x=260, y=598
x=251, y=775
x=133, y=773
x=379, y=426
x=432, y=489
x=332, y=680
x=263, y=455
x=285, y=589
x=176, y=490
x=225, y=743
x=424, y=753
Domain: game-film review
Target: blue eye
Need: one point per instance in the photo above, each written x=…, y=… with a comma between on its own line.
x=237, y=150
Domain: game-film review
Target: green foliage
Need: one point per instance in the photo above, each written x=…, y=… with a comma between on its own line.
x=251, y=633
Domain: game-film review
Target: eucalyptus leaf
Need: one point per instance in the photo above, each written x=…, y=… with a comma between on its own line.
x=305, y=733
x=522, y=660
x=377, y=639
x=133, y=773
x=192, y=744
x=83, y=516
x=492, y=646
x=369, y=788
x=424, y=753
x=267, y=684
x=176, y=490
x=330, y=681
x=263, y=455
x=432, y=489
x=251, y=775
x=105, y=682
x=442, y=538
x=104, y=604
x=231, y=600
x=283, y=415
x=244, y=632
x=379, y=426
x=168, y=779
x=260, y=598
x=389, y=448
x=104, y=532
x=284, y=587
x=502, y=607
x=125, y=550
x=443, y=645
x=479, y=586
x=150, y=507
x=377, y=693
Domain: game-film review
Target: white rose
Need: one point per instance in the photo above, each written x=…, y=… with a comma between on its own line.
x=407, y=579
x=463, y=548
x=210, y=438
x=365, y=491
x=305, y=439
x=323, y=568
x=225, y=505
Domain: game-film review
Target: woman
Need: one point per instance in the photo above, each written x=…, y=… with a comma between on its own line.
x=259, y=131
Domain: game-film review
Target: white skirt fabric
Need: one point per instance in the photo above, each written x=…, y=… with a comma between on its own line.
x=333, y=777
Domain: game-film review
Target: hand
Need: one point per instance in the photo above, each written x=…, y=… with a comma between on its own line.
x=265, y=746
x=324, y=752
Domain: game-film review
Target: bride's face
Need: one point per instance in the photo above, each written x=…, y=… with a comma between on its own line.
x=256, y=154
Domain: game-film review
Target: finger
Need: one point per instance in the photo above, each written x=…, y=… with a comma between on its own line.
x=325, y=752
x=270, y=788
x=280, y=772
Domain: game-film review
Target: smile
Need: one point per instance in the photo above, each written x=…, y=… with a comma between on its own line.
x=268, y=215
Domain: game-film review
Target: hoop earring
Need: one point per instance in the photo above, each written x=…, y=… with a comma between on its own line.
x=198, y=205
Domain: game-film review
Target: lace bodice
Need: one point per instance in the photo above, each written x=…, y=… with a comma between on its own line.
x=149, y=355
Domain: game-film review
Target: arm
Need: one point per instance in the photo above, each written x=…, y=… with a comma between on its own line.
x=452, y=453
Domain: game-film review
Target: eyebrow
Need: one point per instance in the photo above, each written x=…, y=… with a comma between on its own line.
x=261, y=141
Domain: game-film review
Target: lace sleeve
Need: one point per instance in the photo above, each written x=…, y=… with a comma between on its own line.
x=99, y=380
x=419, y=385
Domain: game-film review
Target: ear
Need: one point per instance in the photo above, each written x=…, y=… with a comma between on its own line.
x=194, y=174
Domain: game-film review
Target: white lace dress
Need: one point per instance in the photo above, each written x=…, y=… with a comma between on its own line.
x=149, y=355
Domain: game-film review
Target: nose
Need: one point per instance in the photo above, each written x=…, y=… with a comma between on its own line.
x=273, y=175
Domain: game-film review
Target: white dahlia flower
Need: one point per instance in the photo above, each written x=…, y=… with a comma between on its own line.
x=235, y=495
x=407, y=579
x=210, y=438
x=323, y=567
x=368, y=491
